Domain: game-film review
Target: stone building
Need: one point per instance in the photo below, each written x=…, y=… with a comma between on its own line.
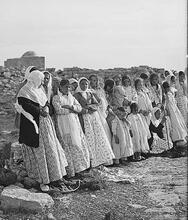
x=29, y=58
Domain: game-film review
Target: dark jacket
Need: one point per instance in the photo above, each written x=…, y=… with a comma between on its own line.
x=27, y=133
x=155, y=129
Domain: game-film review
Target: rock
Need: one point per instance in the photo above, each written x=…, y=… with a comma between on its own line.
x=1, y=188
x=19, y=185
x=7, y=74
x=16, y=151
x=165, y=209
x=66, y=200
x=21, y=174
x=30, y=183
x=3, y=113
x=49, y=217
x=137, y=206
x=7, y=177
x=93, y=196
x=6, y=150
x=5, y=132
x=16, y=198
x=165, y=198
x=33, y=190
x=165, y=217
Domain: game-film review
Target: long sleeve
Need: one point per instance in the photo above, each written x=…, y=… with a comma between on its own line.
x=95, y=99
x=57, y=106
x=76, y=105
x=29, y=106
x=114, y=126
x=134, y=96
x=160, y=94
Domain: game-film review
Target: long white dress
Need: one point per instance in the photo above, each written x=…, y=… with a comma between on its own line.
x=144, y=103
x=125, y=146
x=179, y=130
x=141, y=133
x=182, y=101
x=69, y=128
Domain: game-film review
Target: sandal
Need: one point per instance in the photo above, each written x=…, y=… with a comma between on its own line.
x=67, y=189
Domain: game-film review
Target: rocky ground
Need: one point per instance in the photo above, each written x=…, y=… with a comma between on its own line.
x=159, y=191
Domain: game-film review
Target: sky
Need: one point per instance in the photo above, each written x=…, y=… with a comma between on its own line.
x=96, y=33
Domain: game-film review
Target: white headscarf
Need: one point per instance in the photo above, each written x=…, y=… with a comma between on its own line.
x=32, y=90
x=27, y=72
x=84, y=93
x=168, y=78
x=49, y=87
x=72, y=80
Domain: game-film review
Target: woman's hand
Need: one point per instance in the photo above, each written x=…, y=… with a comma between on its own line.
x=66, y=106
x=144, y=112
x=43, y=113
x=126, y=102
x=84, y=111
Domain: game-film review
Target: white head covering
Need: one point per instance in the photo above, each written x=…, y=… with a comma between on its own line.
x=84, y=93
x=32, y=90
x=49, y=87
x=168, y=78
x=72, y=80
x=27, y=72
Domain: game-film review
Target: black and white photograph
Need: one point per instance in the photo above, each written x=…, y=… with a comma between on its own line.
x=93, y=110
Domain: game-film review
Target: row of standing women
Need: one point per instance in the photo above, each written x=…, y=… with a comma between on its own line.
x=76, y=144
x=65, y=132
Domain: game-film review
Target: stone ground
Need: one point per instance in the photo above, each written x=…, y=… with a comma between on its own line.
x=159, y=193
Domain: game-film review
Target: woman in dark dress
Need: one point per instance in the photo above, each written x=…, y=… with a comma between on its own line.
x=44, y=157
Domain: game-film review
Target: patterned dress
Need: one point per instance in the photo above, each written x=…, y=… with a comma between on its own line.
x=47, y=162
x=131, y=96
x=70, y=132
x=165, y=142
x=102, y=110
x=97, y=139
x=118, y=96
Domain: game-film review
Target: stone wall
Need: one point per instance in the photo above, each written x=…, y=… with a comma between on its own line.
x=24, y=62
x=107, y=73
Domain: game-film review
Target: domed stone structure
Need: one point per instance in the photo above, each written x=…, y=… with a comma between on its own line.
x=29, y=54
x=29, y=58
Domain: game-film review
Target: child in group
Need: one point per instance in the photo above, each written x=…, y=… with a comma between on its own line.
x=121, y=142
x=171, y=79
x=73, y=85
x=160, y=129
x=140, y=131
